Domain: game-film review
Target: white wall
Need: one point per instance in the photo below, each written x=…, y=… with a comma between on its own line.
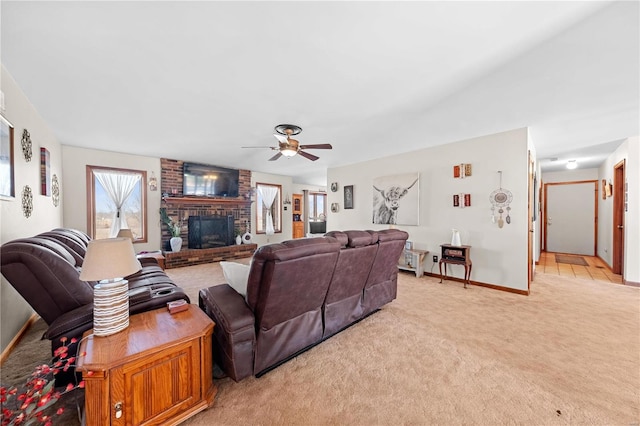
x=570, y=175
x=14, y=311
x=632, y=216
x=76, y=159
x=629, y=151
x=499, y=254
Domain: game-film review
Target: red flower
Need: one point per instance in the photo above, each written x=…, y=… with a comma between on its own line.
x=29, y=404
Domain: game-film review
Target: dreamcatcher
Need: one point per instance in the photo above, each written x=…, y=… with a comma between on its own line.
x=500, y=200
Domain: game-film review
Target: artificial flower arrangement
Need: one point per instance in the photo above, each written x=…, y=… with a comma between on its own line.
x=26, y=405
x=174, y=227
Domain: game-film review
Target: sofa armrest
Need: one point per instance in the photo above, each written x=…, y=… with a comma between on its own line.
x=234, y=332
x=142, y=299
x=227, y=307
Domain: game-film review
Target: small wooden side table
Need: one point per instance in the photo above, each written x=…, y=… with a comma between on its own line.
x=159, y=370
x=418, y=268
x=456, y=255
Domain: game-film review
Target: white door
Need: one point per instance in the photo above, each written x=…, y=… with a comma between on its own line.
x=571, y=218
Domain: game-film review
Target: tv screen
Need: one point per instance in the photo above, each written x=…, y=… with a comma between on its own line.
x=210, y=181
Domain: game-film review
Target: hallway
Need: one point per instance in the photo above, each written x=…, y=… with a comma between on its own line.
x=597, y=269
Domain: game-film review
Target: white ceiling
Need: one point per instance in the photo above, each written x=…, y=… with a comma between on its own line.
x=196, y=81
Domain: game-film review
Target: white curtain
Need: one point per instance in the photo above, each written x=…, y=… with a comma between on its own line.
x=268, y=194
x=119, y=187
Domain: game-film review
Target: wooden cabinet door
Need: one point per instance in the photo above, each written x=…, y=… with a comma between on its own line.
x=297, y=203
x=298, y=230
x=156, y=388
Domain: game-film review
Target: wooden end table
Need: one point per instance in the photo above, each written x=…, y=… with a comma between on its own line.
x=159, y=370
x=456, y=255
x=418, y=268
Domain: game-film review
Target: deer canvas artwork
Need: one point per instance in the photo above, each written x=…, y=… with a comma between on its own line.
x=396, y=199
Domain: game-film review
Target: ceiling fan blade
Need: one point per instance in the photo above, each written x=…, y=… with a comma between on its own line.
x=275, y=157
x=258, y=147
x=281, y=138
x=307, y=155
x=317, y=146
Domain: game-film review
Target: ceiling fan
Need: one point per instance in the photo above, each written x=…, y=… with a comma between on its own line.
x=288, y=146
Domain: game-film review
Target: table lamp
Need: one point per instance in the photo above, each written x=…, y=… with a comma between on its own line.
x=125, y=233
x=107, y=261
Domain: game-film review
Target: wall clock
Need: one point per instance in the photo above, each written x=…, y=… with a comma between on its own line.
x=26, y=145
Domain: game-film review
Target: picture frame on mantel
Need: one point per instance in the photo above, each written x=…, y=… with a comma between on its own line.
x=7, y=172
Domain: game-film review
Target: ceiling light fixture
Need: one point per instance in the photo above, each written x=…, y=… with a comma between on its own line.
x=572, y=164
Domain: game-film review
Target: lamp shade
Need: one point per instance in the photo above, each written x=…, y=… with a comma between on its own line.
x=109, y=258
x=125, y=233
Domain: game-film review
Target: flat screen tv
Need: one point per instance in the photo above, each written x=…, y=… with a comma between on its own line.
x=210, y=181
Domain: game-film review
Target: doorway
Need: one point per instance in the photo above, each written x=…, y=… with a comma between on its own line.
x=571, y=217
x=619, y=200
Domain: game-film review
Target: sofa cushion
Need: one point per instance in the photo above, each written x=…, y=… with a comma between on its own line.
x=237, y=276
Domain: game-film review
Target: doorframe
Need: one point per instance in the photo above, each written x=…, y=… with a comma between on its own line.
x=595, y=213
x=532, y=190
x=619, y=182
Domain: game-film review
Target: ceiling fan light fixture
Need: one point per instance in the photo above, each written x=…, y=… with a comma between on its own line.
x=288, y=152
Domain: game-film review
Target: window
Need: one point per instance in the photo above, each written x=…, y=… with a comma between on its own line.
x=317, y=206
x=268, y=195
x=116, y=198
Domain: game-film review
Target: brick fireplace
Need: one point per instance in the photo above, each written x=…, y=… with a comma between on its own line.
x=180, y=207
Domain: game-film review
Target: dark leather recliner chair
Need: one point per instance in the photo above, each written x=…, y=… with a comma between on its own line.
x=299, y=293
x=45, y=271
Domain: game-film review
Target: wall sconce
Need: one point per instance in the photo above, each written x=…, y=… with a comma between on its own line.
x=153, y=183
x=287, y=200
x=107, y=261
x=572, y=164
x=335, y=207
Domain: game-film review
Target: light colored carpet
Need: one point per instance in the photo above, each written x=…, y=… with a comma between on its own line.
x=567, y=354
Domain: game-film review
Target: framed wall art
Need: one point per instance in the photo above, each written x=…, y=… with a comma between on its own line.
x=348, y=197
x=396, y=199
x=45, y=172
x=7, y=183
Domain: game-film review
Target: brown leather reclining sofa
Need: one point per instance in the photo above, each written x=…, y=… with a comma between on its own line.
x=299, y=293
x=45, y=270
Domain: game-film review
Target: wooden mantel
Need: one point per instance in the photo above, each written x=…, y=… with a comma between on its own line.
x=207, y=200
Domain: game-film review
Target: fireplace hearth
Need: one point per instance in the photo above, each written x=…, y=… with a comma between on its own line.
x=210, y=231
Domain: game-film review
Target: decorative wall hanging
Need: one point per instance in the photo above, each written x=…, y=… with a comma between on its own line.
x=55, y=190
x=45, y=173
x=461, y=200
x=608, y=189
x=500, y=199
x=396, y=199
x=334, y=186
x=27, y=201
x=462, y=170
x=153, y=183
x=334, y=207
x=7, y=183
x=348, y=197
x=26, y=145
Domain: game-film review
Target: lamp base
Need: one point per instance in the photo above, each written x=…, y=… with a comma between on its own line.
x=110, y=307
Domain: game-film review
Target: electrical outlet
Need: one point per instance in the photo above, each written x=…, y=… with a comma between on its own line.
x=435, y=259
